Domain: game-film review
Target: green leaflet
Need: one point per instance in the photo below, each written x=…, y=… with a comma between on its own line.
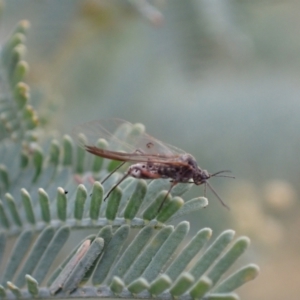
x=49, y=190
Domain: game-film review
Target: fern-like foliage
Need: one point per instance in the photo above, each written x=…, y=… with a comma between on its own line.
x=49, y=192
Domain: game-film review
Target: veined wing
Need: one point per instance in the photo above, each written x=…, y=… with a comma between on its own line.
x=126, y=142
x=136, y=157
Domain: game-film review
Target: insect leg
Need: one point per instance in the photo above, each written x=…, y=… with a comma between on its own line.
x=113, y=171
x=112, y=189
x=173, y=183
x=118, y=167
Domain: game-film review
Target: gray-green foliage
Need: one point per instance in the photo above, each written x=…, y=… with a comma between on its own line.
x=49, y=192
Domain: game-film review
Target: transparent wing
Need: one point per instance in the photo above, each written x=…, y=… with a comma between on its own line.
x=126, y=142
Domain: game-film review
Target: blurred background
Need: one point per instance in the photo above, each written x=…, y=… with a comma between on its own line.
x=217, y=78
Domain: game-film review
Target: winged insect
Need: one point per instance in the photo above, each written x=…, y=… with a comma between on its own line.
x=149, y=157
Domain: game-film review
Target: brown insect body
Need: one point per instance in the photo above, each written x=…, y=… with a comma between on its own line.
x=178, y=173
x=151, y=158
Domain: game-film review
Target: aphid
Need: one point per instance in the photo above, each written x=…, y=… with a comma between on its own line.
x=149, y=157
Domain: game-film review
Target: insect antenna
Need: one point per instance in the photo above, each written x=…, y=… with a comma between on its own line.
x=228, y=176
x=217, y=174
x=216, y=194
